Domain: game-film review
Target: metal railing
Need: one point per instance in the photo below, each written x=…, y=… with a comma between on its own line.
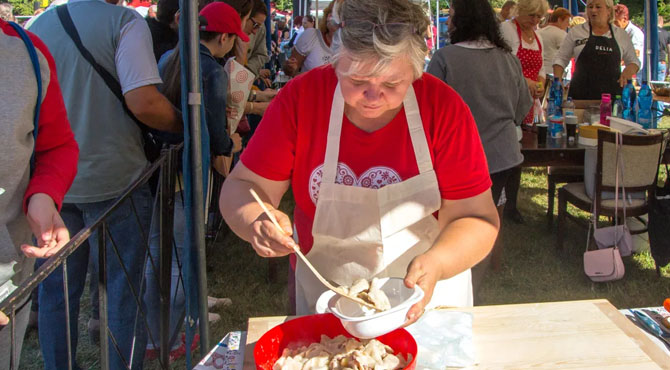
x=166, y=167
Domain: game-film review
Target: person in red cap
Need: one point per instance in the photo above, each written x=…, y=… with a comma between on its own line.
x=219, y=24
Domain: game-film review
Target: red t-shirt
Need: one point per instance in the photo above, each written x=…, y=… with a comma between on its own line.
x=290, y=144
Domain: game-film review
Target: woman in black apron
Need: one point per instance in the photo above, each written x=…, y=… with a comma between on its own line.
x=598, y=64
x=598, y=69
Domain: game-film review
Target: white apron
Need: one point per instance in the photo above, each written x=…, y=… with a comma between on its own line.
x=364, y=233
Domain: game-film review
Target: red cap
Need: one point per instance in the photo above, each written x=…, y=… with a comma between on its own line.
x=220, y=17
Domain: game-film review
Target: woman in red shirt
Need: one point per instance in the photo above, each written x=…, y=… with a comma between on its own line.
x=385, y=163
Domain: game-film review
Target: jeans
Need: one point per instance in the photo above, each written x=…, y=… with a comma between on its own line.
x=660, y=106
x=129, y=237
x=152, y=295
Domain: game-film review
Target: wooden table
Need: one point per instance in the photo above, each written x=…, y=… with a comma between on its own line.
x=575, y=334
x=557, y=152
x=664, y=99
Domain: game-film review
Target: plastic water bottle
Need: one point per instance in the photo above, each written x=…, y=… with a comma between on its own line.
x=551, y=110
x=644, y=102
x=556, y=95
x=569, y=107
x=617, y=107
x=628, y=100
x=605, y=109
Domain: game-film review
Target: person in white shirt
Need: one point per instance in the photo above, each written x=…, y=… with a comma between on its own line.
x=553, y=35
x=313, y=49
x=622, y=20
x=506, y=11
x=598, y=49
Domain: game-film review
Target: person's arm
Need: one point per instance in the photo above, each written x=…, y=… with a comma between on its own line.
x=153, y=109
x=138, y=75
x=214, y=87
x=564, y=54
x=469, y=228
x=302, y=48
x=630, y=59
x=258, y=56
x=293, y=65
x=56, y=155
x=246, y=218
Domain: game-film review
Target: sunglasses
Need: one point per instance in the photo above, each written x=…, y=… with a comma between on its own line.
x=255, y=24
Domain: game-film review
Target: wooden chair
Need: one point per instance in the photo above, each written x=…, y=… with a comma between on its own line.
x=641, y=156
x=560, y=175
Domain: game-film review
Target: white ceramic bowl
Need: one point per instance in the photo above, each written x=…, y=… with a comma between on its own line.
x=354, y=318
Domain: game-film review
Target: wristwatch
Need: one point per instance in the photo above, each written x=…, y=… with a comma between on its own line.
x=252, y=97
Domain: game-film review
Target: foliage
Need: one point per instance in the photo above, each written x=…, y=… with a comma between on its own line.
x=284, y=4
x=22, y=7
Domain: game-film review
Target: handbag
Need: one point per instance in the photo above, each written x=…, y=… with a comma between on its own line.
x=605, y=264
x=240, y=80
x=617, y=235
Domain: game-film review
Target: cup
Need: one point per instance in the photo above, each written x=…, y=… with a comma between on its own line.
x=593, y=114
x=571, y=129
x=541, y=134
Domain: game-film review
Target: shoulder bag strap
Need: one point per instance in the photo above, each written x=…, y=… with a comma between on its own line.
x=38, y=76
x=110, y=81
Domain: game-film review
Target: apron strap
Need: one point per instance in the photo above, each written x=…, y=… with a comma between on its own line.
x=417, y=134
x=333, y=141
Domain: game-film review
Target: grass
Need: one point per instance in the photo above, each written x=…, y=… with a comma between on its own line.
x=532, y=271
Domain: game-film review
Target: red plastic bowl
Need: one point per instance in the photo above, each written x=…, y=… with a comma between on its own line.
x=308, y=329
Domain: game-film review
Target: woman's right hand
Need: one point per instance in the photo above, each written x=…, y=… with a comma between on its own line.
x=267, y=240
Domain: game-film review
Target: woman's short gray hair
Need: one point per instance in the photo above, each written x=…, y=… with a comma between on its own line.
x=379, y=31
x=528, y=7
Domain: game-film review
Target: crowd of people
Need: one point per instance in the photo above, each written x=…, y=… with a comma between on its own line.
x=395, y=172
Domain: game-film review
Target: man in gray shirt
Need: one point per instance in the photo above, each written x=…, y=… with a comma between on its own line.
x=111, y=158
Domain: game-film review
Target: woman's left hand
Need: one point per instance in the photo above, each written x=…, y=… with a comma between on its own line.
x=47, y=226
x=425, y=271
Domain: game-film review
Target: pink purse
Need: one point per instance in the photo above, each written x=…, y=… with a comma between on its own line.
x=617, y=235
x=605, y=264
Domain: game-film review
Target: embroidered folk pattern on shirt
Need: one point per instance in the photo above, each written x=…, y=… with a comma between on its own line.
x=374, y=178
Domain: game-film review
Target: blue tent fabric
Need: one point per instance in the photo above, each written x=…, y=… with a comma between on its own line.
x=651, y=36
x=575, y=6
x=190, y=259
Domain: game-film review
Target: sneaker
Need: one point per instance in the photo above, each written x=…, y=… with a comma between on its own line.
x=213, y=302
x=94, y=331
x=175, y=354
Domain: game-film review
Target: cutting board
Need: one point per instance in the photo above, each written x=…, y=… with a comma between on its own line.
x=574, y=334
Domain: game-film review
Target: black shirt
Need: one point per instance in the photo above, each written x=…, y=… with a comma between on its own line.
x=164, y=38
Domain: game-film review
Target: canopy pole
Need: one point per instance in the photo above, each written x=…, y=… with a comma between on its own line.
x=196, y=170
x=437, y=24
